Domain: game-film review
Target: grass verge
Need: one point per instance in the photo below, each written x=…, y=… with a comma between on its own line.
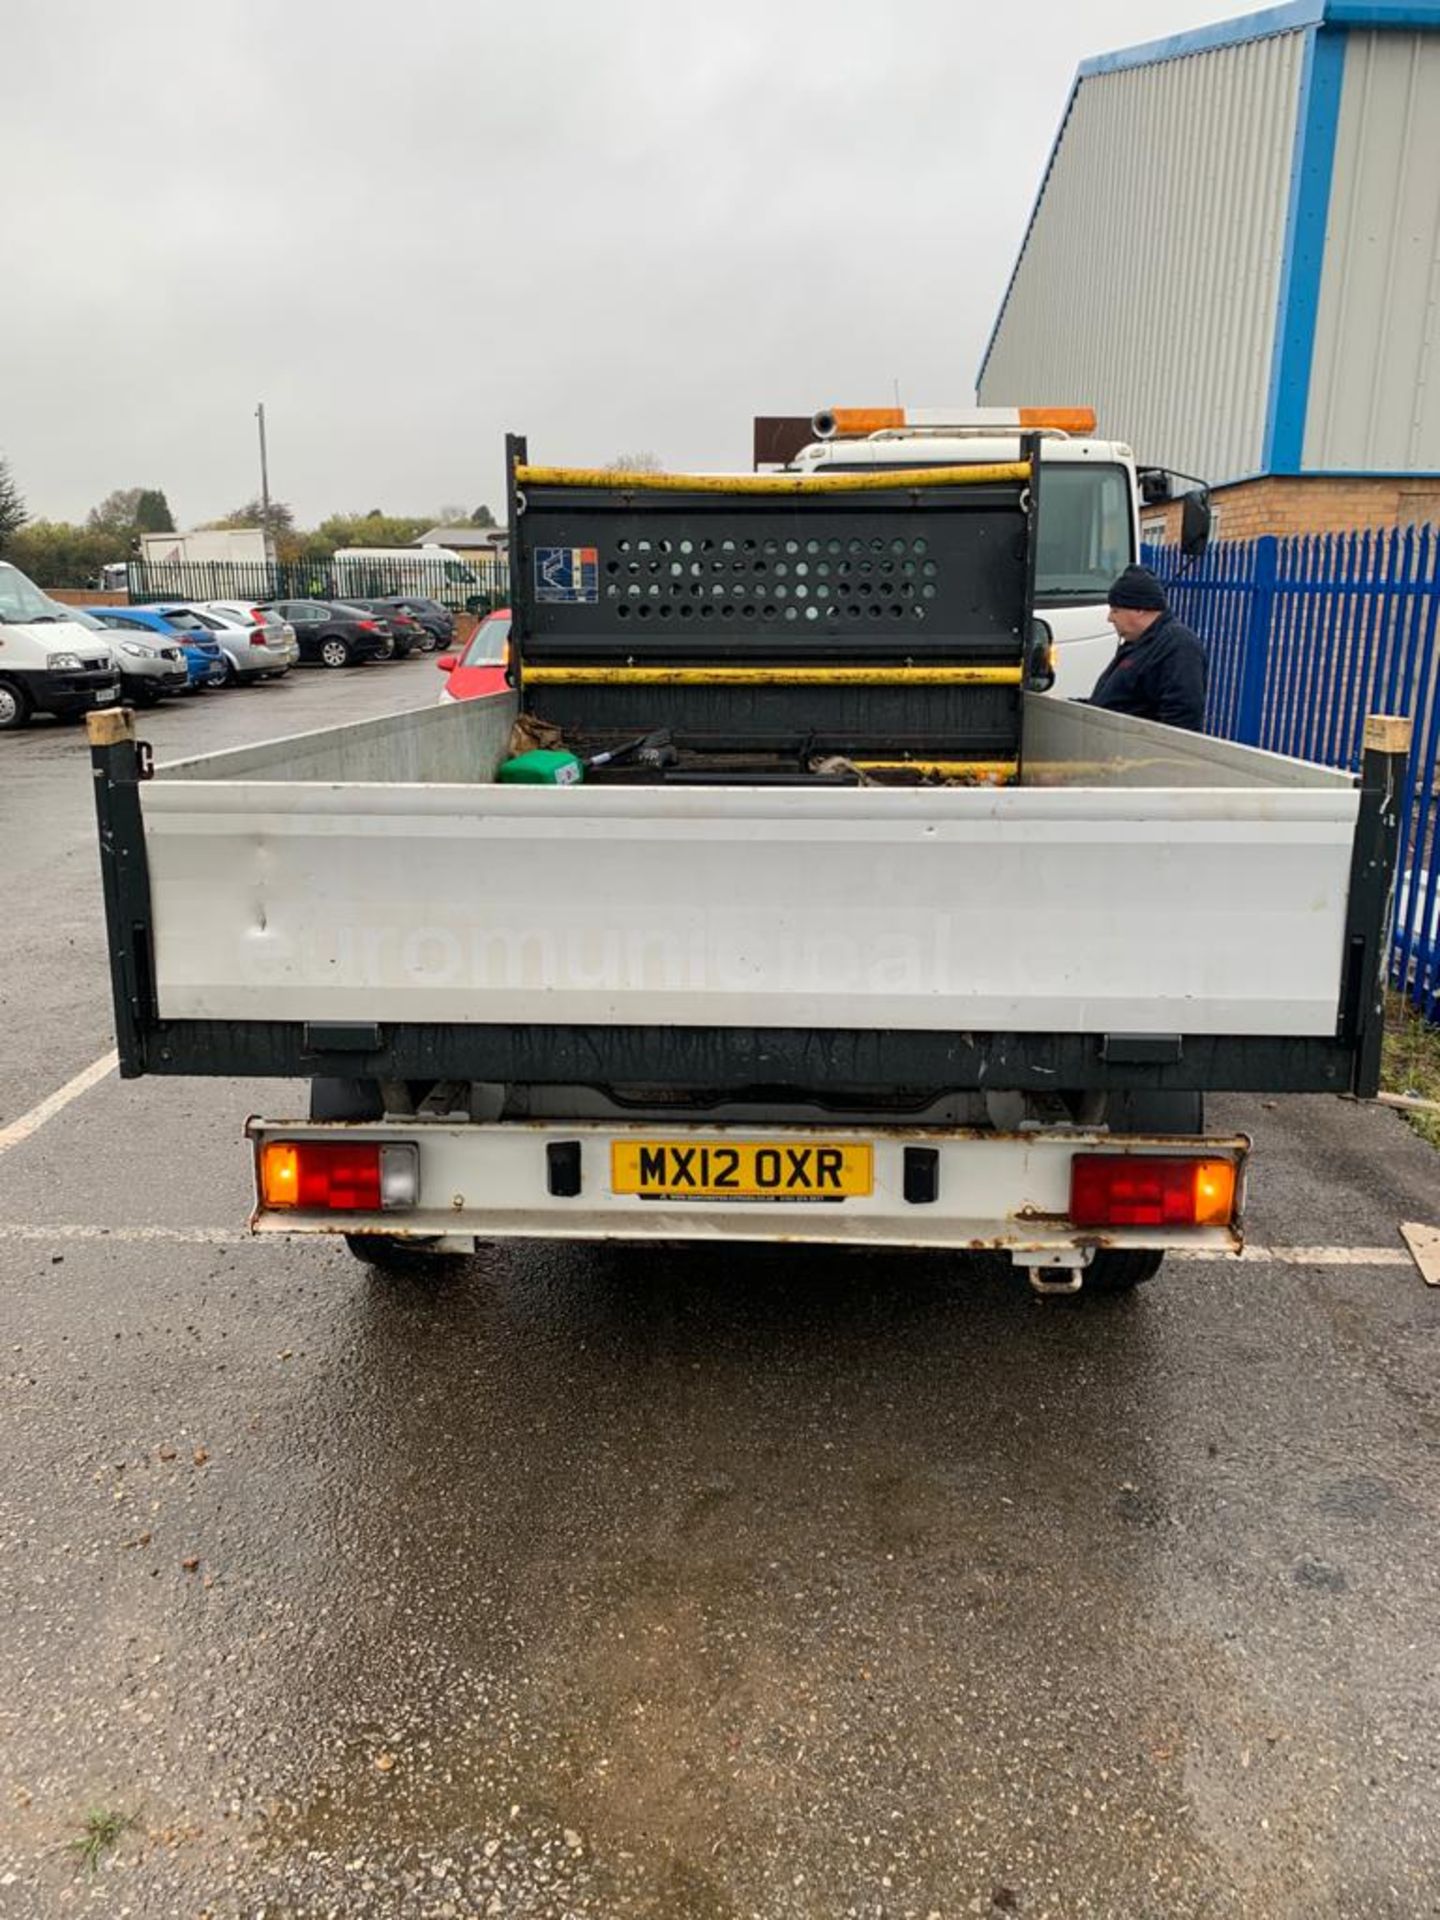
x=1411, y=1062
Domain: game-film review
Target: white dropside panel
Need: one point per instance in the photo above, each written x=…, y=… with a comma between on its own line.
x=1070, y=910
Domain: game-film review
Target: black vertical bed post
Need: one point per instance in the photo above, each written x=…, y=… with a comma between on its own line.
x=1030, y=454
x=1372, y=886
x=517, y=452
x=118, y=763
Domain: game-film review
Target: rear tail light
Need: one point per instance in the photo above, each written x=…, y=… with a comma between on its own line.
x=1150, y=1190
x=368, y=626
x=339, y=1176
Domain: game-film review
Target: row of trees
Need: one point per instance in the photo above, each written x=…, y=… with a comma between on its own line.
x=12, y=507
x=294, y=544
x=131, y=511
x=62, y=553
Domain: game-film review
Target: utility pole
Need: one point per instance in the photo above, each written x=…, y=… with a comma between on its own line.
x=264, y=479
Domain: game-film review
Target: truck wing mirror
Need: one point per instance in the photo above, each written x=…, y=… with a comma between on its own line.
x=1040, y=659
x=1155, y=486
x=1196, y=521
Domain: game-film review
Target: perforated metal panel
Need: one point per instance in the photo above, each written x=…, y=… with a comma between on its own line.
x=685, y=577
x=615, y=583
x=819, y=587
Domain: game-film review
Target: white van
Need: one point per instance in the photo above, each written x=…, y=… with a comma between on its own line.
x=437, y=572
x=49, y=663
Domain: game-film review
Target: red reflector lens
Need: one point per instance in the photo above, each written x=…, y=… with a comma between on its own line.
x=322, y=1176
x=1149, y=1190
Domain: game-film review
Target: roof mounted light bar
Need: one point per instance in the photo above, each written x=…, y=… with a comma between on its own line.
x=861, y=423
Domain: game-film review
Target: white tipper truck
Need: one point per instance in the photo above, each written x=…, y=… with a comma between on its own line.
x=207, y=546
x=848, y=934
x=210, y=563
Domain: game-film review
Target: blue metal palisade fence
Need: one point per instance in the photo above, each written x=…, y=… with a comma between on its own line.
x=1306, y=636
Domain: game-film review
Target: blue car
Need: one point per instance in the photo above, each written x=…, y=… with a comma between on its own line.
x=204, y=663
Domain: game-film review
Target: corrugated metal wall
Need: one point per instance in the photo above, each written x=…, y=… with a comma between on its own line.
x=1375, y=378
x=1150, y=279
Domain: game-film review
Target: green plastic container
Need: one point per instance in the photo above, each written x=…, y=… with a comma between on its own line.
x=541, y=768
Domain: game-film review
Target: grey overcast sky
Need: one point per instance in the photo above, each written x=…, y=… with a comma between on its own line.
x=622, y=226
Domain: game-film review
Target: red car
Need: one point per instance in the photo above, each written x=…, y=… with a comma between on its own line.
x=482, y=667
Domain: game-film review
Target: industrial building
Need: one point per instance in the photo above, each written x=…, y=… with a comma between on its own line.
x=1234, y=256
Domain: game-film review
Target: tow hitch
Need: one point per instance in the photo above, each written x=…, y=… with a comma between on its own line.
x=1054, y=1269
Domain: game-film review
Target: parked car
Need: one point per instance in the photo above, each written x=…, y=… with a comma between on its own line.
x=437, y=623
x=49, y=662
x=332, y=633
x=153, y=657
x=484, y=665
x=405, y=630
x=203, y=662
x=254, y=643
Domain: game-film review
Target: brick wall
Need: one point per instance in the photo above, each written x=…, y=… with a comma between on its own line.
x=1308, y=504
x=86, y=597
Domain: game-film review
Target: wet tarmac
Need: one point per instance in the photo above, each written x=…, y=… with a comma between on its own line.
x=684, y=1583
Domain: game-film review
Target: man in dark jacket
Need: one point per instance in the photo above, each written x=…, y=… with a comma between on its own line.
x=1159, y=672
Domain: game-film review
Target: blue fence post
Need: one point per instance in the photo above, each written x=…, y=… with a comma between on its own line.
x=1250, y=709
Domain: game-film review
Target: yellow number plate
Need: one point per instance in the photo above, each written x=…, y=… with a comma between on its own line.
x=740, y=1169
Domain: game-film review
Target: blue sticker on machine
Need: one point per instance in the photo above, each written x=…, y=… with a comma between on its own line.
x=570, y=575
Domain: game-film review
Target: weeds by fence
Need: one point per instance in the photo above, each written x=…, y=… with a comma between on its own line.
x=1306, y=637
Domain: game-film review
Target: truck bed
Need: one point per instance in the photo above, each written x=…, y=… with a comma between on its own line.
x=1076, y=900
x=366, y=900
x=352, y=876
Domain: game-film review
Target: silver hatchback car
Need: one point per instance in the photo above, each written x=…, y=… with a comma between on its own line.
x=255, y=643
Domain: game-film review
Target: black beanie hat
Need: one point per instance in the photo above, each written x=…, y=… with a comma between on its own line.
x=1137, y=587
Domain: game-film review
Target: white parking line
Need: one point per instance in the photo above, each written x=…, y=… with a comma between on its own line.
x=31, y=1122
x=185, y=1236
x=229, y=1236
x=1304, y=1256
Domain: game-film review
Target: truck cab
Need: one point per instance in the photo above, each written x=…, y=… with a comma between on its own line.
x=1088, y=523
x=49, y=662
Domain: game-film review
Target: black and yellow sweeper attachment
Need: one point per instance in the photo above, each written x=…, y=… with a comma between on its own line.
x=879, y=623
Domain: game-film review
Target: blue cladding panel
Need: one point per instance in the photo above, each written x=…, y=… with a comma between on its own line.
x=1224, y=33
x=1310, y=177
x=1382, y=13
x=1297, y=322
x=1255, y=26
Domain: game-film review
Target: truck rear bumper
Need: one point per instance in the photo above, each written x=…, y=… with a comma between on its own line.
x=927, y=1187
